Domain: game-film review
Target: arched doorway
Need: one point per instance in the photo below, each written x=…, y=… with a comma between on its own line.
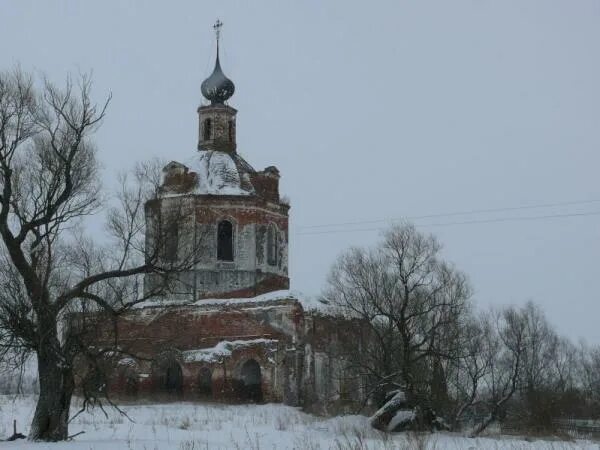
x=172, y=379
x=250, y=382
x=205, y=383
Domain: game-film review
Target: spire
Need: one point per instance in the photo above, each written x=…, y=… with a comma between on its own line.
x=217, y=87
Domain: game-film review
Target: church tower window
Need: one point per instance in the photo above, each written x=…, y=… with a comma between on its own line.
x=231, y=131
x=206, y=129
x=272, y=245
x=225, y=241
x=171, y=241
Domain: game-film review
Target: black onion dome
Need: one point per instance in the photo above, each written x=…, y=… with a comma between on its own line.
x=217, y=87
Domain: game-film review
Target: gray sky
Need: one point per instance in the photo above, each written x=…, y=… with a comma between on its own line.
x=371, y=110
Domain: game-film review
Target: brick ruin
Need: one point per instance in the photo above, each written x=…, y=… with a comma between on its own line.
x=230, y=330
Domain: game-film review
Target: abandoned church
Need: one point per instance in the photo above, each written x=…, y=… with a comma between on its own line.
x=230, y=330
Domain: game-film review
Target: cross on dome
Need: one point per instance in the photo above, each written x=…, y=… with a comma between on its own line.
x=217, y=27
x=217, y=87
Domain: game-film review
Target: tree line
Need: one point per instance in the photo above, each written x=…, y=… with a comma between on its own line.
x=427, y=338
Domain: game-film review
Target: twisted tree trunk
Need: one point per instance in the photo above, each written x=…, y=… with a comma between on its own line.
x=51, y=419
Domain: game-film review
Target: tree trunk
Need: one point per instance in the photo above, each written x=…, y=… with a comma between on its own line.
x=51, y=419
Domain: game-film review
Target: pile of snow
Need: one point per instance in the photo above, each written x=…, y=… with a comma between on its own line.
x=401, y=417
x=222, y=350
x=187, y=426
x=394, y=413
x=397, y=415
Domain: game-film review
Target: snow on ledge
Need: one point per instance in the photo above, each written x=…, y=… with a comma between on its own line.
x=127, y=361
x=222, y=350
x=309, y=303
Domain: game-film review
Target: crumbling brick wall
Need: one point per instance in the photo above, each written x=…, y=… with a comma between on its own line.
x=151, y=335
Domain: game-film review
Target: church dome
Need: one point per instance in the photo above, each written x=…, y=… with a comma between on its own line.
x=221, y=173
x=209, y=173
x=217, y=87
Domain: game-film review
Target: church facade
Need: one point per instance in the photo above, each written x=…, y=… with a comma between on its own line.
x=230, y=329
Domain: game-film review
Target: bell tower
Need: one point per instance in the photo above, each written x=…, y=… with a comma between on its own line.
x=216, y=127
x=232, y=211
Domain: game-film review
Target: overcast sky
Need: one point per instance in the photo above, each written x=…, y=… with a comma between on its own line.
x=372, y=111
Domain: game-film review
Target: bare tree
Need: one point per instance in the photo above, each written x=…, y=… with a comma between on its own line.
x=590, y=376
x=514, y=368
x=504, y=347
x=538, y=381
x=411, y=299
x=51, y=271
x=468, y=370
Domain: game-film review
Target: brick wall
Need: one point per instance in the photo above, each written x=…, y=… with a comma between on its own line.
x=301, y=355
x=250, y=273
x=155, y=334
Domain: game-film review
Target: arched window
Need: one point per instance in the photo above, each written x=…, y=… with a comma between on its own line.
x=272, y=245
x=225, y=241
x=206, y=129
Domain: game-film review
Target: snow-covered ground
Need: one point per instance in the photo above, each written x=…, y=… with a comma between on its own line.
x=193, y=426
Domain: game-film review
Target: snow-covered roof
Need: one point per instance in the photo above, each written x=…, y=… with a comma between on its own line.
x=222, y=350
x=309, y=303
x=220, y=174
x=217, y=173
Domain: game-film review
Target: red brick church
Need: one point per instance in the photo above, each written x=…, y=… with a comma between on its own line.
x=231, y=330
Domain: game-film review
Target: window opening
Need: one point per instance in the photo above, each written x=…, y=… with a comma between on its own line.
x=231, y=131
x=272, y=245
x=225, y=241
x=207, y=129
x=171, y=237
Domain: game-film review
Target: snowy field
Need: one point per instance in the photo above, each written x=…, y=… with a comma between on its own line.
x=192, y=426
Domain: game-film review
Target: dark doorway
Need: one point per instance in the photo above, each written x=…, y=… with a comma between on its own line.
x=225, y=241
x=250, y=383
x=172, y=378
x=205, y=383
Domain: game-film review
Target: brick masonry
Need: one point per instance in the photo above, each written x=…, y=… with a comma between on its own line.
x=161, y=335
